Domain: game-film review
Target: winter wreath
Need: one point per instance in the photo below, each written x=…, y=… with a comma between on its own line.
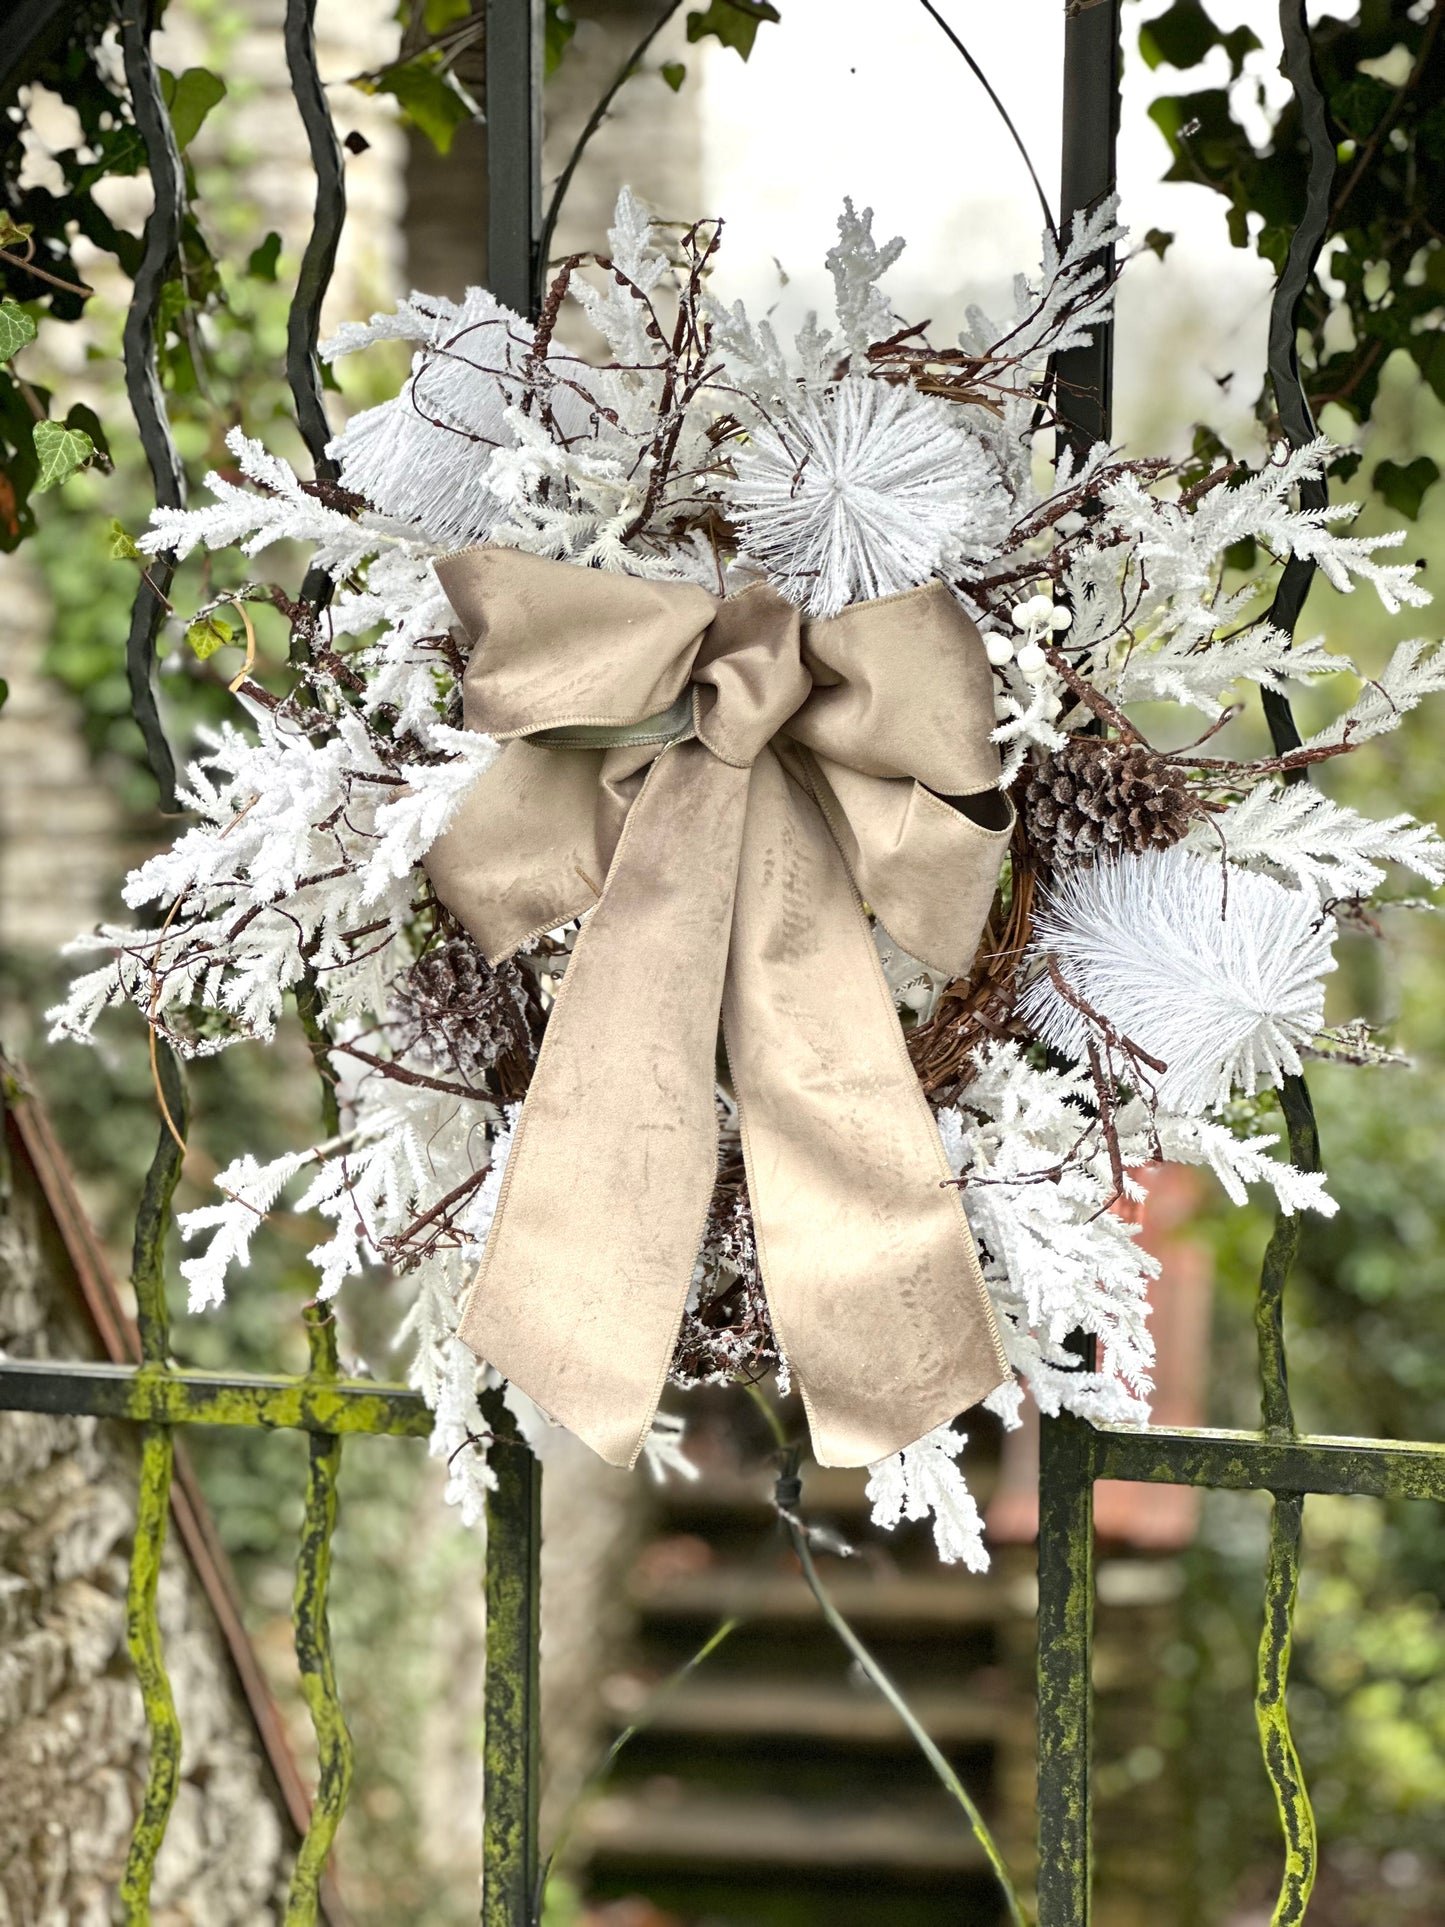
x=714, y=681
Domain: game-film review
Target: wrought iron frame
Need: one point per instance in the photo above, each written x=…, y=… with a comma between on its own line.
x=157, y=1396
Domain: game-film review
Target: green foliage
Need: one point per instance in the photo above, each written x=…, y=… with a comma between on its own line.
x=189, y=99
x=1403, y=484
x=733, y=22
x=438, y=15
x=38, y=233
x=261, y=262
x=16, y=328
x=59, y=452
x=208, y=635
x=428, y=93
x=559, y=29
x=122, y=547
x=1185, y=36
x=1386, y=263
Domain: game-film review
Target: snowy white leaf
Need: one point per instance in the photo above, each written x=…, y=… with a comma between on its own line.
x=923, y=1481
x=1320, y=844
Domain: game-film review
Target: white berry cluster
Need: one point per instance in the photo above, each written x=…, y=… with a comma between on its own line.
x=1035, y=619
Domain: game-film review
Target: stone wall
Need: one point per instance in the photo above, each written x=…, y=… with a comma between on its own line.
x=73, y=1747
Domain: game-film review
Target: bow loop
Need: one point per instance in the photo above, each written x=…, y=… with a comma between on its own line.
x=556, y=646
x=718, y=866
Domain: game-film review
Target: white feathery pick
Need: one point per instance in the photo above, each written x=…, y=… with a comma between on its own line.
x=1217, y=972
x=423, y=457
x=862, y=489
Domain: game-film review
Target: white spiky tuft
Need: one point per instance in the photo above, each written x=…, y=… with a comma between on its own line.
x=862, y=489
x=1216, y=972
x=423, y=457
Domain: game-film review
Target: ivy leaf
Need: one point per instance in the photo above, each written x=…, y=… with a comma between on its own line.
x=432, y=99
x=1185, y=35
x=261, y=262
x=189, y=99
x=674, y=73
x=16, y=328
x=734, y=22
x=1403, y=484
x=59, y=451
x=1159, y=241
x=13, y=231
x=89, y=423
x=120, y=546
x=208, y=635
x=559, y=31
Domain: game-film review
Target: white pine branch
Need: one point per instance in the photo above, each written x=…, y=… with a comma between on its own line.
x=1318, y=843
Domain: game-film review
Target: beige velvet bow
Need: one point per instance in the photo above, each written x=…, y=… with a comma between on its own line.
x=720, y=785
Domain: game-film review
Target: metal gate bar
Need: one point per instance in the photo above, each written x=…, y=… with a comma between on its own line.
x=1275, y=1459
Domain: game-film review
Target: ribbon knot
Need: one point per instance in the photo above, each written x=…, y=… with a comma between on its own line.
x=722, y=785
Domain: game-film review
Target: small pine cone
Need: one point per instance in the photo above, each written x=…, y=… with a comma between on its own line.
x=1094, y=798
x=462, y=1014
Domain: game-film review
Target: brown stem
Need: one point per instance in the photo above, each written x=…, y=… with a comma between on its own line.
x=452, y=1197
x=390, y=1068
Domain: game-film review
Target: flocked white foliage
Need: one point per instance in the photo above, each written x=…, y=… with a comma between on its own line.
x=858, y=264
x=278, y=509
x=1037, y=1187
x=842, y=480
x=1415, y=670
x=250, y=1190
x=1217, y=972
x=1320, y=844
x=862, y=489
x=926, y=1481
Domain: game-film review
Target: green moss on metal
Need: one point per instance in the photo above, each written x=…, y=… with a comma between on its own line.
x=511, y=1748
x=314, y=1656
x=319, y=1043
x=1065, y=1672
x=156, y=1395
x=1279, y=1257
x=1272, y=1716
x=153, y=1217
x=1252, y=1462
x=143, y=1642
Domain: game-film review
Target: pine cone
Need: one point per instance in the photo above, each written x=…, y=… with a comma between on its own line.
x=463, y=1015
x=1094, y=798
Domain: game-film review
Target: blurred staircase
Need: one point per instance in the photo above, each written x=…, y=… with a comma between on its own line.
x=774, y=1787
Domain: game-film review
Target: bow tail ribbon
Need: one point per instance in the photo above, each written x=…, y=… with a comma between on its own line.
x=728, y=894
x=602, y=1205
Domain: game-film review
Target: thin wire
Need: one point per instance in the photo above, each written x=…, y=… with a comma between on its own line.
x=1003, y=113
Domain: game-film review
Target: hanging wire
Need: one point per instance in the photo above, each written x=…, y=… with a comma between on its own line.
x=1003, y=113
